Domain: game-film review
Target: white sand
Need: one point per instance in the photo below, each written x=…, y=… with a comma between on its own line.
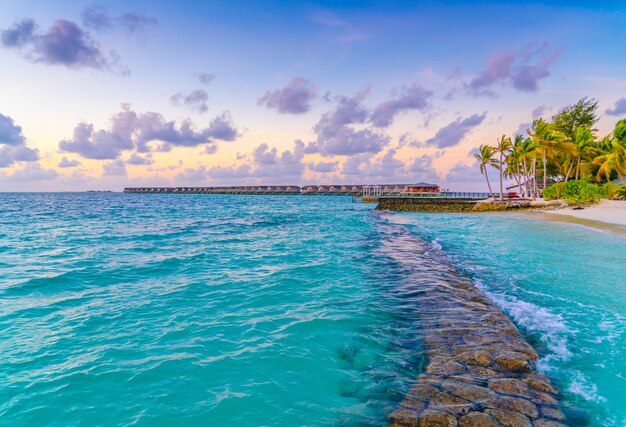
x=607, y=211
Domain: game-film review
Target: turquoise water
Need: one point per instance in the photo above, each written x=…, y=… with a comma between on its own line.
x=563, y=284
x=198, y=310
x=267, y=310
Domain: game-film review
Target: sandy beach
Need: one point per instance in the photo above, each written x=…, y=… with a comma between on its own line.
x=606, y=211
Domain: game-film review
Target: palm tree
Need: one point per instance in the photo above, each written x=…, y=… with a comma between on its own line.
x=583, y=139
x=485, y=158
x=546, y=140
x=613, y=160
x=503, y=147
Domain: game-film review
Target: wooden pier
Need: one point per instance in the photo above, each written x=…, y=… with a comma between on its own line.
x=287, y=190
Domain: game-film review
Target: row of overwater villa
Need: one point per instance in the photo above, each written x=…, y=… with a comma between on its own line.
x=348, y=190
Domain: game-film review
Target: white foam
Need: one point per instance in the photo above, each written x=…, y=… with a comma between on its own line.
x=550, y=327
x=581, y=386
x=436, y=244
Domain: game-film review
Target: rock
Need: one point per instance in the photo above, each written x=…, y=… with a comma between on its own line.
x=509, y=386
x=510, y=418
x=544, y=398
x=469, y=392
x=540, y=385
x=477, y=357
x=446, y=368
x=514, y=362
x=423, y=390
x=478, y=419
x=404, y=417
x=431, y=418
x=480, y=372
x=542, y=422
x=451, y=404
x=552, y=412
x=518, y=404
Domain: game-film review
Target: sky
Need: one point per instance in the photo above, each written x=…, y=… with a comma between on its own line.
x=107, y=95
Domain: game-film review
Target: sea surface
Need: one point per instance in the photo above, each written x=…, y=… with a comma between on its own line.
x=132, y=309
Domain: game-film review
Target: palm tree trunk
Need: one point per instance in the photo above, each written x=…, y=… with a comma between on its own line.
x=526, y=191
x=535, y=183
x=545, y=173
x=488, y=184
x=501, y=173
x=569, y=171
x=578, y=169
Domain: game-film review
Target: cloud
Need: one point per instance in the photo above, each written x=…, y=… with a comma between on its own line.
x=196, y=99
x=453, y=133
x=20, y=34
x=97, y=18
x=335, y=136
x=411, y=98
x=17, y=153
x=269, y=162
x=618, y=109
x=295, y=98
x=29, y=173
x=323, y=167
x=135, y=159
x=10, y=133
x=114, y=168
x=462, y=173
x=206, y=78
x=64, y=43
x=66, y=163
x=388, y=169
x=422, y=169
x=225, y=172
x=522, y=69
x=130, y=130
x=133, y=22
x=13, y=144
x=266, y=165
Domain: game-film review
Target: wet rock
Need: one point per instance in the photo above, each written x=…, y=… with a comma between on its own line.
x=472, y=393
x=478, y=419
x=432, y=418
x=540, y=385
x=514, y=362
x=445, y=368
x=477, y=357
x=518, y=404
x=542, y=422
x=510, y=418
x=451, y=404
x=552, y=412
x=540, y=397
x=404, y=417
x=480, y=372
x=423, y=390
x=510, y=386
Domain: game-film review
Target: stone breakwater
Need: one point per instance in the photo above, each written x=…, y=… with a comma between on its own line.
x=480, y=371
x=410, y=204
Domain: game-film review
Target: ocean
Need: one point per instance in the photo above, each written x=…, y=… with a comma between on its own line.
x=146, y=309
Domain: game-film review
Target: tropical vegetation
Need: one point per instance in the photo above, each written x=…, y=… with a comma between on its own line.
x=560, y=158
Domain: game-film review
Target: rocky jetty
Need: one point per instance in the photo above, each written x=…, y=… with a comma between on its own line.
x=416, y=204
x=480, y=371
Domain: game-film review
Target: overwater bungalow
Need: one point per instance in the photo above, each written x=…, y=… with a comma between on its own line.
x=421, y=187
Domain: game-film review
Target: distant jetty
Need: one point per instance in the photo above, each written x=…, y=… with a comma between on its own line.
x=330, y=190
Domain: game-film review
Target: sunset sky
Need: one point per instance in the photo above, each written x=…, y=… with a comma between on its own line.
x=140, y=93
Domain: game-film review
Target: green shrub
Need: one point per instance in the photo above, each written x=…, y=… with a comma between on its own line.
x=576, y=192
